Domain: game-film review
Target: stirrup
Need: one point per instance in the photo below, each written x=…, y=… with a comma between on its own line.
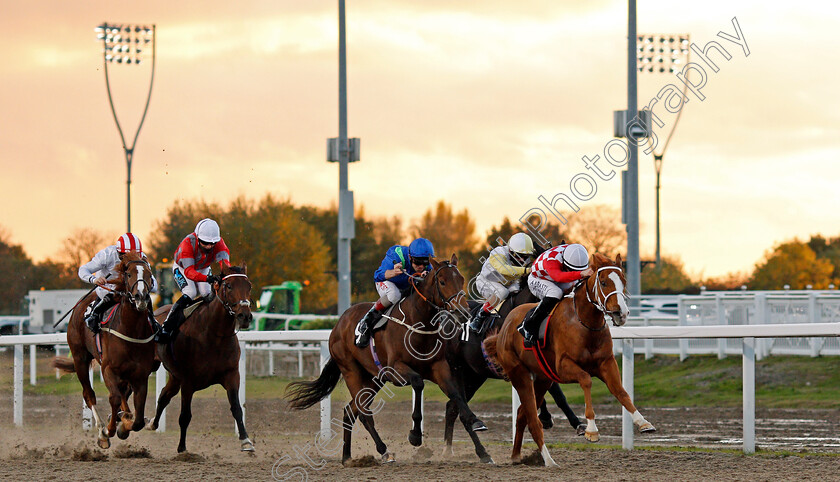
x=530, y=339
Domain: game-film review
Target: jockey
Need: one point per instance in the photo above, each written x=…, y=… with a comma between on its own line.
x=499, y=277
x=104, y=266
x=553, y=274
x=392, y=278
x=191, y=270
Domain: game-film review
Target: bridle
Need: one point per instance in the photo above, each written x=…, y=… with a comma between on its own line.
x=447, y=303
x=224, y=286
x=129, y=288
x=599, y=304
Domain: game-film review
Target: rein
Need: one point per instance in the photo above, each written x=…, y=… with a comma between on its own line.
x=446, y=303
x=229, y=307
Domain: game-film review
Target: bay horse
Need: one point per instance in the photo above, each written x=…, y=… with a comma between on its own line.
x=408, y=350
x=473, y=367
x=205, y=351
x=124, y=350
x=578, y=346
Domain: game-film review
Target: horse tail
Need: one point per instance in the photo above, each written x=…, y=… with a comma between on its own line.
x=302, y=395
x=490, y=345
x=64, y=364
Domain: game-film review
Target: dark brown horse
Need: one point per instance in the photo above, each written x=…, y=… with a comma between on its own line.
x=409, y=349
x=128, y=355
x=205, y=351
x=578, y=346
x=473, y=367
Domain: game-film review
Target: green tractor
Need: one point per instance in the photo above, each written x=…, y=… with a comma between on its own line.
x=278, y=299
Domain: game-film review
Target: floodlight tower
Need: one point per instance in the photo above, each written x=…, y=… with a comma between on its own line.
x=661, y=54
x=127, y=44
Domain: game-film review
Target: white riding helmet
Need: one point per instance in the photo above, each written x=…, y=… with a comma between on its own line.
x=521, y=243
x=575, y=257
x=208, y=231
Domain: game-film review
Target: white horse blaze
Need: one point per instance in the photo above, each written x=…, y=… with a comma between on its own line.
x=141, y=290
x=619, y=287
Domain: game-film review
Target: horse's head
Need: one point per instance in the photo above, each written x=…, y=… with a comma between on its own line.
x=444, y=287
x=137, y=278
x=234, y=291
x=607, y=289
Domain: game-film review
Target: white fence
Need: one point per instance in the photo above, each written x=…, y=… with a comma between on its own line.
x=628, y=335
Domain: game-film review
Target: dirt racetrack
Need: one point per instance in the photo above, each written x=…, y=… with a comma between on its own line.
x=53, y=446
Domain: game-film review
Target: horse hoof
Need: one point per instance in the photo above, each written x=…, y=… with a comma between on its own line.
x=388, y=458
x=547, y=423
x=592, y=436
x=647, y=428
x=150, y=425
x=581, y=429
x=478, y=426
x=247, y=446
x=122, y=433
x=447, y=451
x=414, y=439
x=104, y=443
x=487, y=460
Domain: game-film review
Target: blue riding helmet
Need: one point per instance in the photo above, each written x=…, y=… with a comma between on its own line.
x=421, y=248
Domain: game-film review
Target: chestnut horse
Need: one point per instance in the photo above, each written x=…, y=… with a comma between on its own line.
x=409, y=349
x=127, y=354
x=205, y=351
x=578, y=346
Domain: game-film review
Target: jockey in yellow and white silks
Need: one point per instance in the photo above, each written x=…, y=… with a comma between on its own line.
x=500, y=274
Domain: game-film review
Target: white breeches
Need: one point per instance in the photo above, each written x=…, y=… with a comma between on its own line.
x=547, y=289
x=388, y=292
x=191, y=288
x=487, y=289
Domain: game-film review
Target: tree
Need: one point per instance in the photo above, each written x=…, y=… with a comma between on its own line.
x=450, y=233
x=670, y=278
x=598, y=228
x=18, y=270
x=828, y=249
x=792, y=263
x=268, y=236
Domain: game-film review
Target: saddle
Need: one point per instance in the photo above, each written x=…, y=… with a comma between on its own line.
x=543, y=331
x=384, y=318
x=488, y=322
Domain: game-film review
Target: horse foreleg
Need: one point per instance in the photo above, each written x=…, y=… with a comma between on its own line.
x=442, y=376
x=114, y=398
x=521, y=380
x=449, y=427
x=185, y=417
x=545, y=416
x=140, y=394
x=169, y=390
x=575, y=372
x=560, y=400
x=612, y=378
x=231, y=386
x=415, y=435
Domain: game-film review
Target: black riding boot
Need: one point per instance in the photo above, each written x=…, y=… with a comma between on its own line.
x=530, y=326
x=173, y=320
x=478, y=322
x=366, y=326
x=94, y=319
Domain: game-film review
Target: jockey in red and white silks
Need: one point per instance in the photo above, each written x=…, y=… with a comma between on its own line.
x=553, y=274
x=192, y=270
x=103, y=268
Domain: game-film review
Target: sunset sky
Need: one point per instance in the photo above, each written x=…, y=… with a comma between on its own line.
x=485, y=104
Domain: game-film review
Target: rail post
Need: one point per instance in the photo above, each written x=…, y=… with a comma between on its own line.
x=326, y=408
x=749, y=394
x=627, y=369
x=18, y=392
